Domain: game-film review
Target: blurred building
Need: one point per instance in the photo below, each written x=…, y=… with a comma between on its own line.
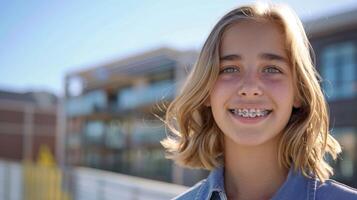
x=27, y=123
x=334, y=39
x=110, y=114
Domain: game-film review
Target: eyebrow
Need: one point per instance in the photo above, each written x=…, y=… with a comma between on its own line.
x=270, y=56
x=231, y=57
x=264, y=56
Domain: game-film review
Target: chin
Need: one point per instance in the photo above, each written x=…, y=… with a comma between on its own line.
x=250, y=139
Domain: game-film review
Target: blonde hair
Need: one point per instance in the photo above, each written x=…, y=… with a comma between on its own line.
x=196, y=141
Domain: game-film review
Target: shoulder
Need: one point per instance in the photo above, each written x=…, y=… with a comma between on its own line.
x=193, y=192
x=332, y=189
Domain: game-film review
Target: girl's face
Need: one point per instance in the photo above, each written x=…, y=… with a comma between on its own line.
x=253, y=97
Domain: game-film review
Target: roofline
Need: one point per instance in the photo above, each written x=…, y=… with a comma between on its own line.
x=323, y=25
x=170, y=53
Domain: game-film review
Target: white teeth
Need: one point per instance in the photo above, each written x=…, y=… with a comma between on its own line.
x=244, y=113
x=250, y=113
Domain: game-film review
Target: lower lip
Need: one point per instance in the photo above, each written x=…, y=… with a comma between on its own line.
x=248, y=120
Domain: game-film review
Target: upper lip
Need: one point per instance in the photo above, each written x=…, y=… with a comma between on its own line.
x=259, y=104
x=250, y=107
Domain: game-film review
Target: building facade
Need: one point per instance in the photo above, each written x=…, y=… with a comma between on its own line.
x=113, y=114
x=334, y=40
x=28, y=122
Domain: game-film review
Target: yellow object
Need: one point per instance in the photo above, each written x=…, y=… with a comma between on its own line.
x=43, y=179
x=45, y=157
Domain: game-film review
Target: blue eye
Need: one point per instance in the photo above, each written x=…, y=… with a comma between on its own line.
x=272, y=69
x=229, y=70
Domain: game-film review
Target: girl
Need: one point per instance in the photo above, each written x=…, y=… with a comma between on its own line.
x=253, y=112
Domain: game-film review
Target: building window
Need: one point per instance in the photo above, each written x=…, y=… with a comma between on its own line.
x=94, y=132
x=87, y=103
x=345, y=165
x=132, y=97
x=115, y=137
x=339, y=70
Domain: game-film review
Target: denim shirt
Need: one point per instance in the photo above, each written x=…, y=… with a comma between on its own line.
x=296, y=187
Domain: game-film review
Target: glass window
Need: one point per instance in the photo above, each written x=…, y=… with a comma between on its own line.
x=339, y=70
x=132, y=97
x=345, y=165
x=93, y=159
x=94, y=132
x=147, y=133
x=115, y=137
x=86, y=104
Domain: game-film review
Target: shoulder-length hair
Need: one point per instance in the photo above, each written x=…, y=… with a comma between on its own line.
x=196, y=141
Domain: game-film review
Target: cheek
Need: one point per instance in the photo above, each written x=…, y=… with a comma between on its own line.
x=221, y=86
x=215, y=93
x=282, y=89
x=220, y=91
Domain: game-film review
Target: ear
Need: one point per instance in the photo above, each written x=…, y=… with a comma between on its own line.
x=297, y=103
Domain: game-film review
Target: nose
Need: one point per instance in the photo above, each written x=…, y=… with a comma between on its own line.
x=249, y=86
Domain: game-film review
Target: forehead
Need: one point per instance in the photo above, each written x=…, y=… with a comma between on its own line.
x=253, y=36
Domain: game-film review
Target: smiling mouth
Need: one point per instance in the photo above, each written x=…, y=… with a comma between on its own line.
x=250, y=112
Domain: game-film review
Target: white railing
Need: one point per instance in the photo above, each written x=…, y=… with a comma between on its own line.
x=94, y=184
x=11, y=187
x=29, y=181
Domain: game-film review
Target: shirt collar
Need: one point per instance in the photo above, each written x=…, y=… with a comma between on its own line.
x=216, y=181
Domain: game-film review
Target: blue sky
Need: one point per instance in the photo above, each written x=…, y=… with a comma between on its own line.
x=41, y=41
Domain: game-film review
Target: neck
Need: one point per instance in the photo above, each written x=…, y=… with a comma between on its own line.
x=252, y=172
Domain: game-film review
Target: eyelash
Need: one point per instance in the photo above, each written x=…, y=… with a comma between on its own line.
x=268, y=69
x=231, y=69
x=272, y=69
